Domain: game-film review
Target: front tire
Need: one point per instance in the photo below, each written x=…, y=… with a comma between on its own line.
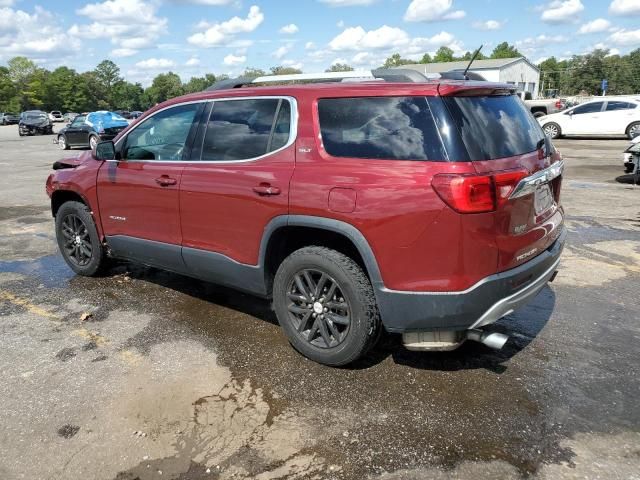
x=78, y=239
x=552, y=130
x=633, y=130
x=62, y=142
x=326, y=306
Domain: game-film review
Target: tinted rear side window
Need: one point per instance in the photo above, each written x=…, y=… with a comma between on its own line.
x=393, y=128
x=245, y=129
x=494, y=127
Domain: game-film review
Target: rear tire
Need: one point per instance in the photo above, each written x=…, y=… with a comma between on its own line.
x=633, y=130
x=93, y=142
x=538, y=114
x=78, y=239
x=326, y=306
x=552, y=130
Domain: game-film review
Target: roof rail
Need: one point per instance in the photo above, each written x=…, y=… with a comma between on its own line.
x=299, y=77
x=405, y=75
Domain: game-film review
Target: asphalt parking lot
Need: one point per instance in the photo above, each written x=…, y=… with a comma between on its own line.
x=143, y=374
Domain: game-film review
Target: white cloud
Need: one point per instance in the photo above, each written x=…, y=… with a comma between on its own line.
x=123, y=52
x=309, y=45
x=347, y=3
x=625, y=38
x=561, y=11
x=340, y=24
x=625, y=7
x=234, y=60
x=292, y=64
x=36, y=35
x=289, y=29
x=432, y=11
x=357, y=38
x=155, y=64
x=595, y=26
x=531, y=46
x=224, y=33
x=214, y=3
x=488, y=25
x=6, y=3
x=128, y=24
x=193, y=62
x=281, y=52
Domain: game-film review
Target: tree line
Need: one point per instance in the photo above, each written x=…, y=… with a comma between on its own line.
x=24, y=85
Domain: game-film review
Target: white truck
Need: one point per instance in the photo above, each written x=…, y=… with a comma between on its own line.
x=542, y=106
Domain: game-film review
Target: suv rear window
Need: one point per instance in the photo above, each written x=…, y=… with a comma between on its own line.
x=393, y=128
x=494, y=127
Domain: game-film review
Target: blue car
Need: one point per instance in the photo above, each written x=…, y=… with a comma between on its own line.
x=87, y=130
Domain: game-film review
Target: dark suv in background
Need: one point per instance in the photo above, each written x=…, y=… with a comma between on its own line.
x=7, y=118
x=431, y=209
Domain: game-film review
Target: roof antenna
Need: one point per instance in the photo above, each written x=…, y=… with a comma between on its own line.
x=475, y=54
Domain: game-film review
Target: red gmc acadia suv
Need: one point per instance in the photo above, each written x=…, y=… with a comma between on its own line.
x=430, y=209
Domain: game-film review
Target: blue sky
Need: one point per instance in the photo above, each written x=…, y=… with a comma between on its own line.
x=192, y=37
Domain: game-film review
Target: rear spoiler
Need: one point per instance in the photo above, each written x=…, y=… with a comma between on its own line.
x=475, y=89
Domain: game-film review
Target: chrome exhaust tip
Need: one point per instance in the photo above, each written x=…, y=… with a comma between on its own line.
x=490, y=339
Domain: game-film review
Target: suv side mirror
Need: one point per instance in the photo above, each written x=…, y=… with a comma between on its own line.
x=105, y=151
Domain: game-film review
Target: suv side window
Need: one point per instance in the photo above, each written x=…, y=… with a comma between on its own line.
x=246, y=129
x=588, y=108
x=612, y=106
x=390, y=128
x=161, y=136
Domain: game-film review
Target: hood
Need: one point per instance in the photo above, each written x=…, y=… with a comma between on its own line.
x=72, y=162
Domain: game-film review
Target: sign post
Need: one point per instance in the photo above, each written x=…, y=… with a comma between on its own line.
x=605, y=87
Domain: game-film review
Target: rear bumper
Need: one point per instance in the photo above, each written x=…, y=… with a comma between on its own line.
x=486, y=302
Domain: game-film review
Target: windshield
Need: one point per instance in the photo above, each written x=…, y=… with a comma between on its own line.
x=494, y=127
x=35, y=116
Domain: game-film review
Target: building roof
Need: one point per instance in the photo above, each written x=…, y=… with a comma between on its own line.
x=490, y=64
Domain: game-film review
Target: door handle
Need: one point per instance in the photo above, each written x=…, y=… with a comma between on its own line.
x=264, y=190
x=166, y=181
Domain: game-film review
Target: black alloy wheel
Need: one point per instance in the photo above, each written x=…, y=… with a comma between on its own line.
x=318, y=309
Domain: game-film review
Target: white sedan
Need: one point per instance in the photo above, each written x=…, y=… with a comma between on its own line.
x=595, y=118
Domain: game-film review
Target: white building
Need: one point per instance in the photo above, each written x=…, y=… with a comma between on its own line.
x=516, y=71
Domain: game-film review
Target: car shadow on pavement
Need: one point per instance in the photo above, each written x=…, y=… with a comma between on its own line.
x=522, y=327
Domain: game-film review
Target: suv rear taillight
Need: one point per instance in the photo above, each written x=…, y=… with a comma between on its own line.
x=559, y=104
x=476, y=193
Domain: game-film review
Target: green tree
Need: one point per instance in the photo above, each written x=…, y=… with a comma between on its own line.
x=426, y=58
x=164, y=86
x=280, y=70
x=107, y=75
x=251, y=72
x=9, y=99
x=198, y=84
x=127, y=95
x=504, y=50
x=21, y=71
x=396, y=60
x=444, y=54
x=339, y=67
